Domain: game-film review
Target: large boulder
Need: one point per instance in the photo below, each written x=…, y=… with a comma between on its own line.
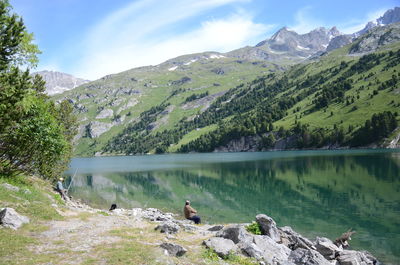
x=264, y=248
x=301, y=256
x=352, y=257
x=294, y=240
x=236, y=233
x=327, y=248
x=168, y=227
x=174, y=249
x=11, y=219
x=222, y=246
x=268, y=227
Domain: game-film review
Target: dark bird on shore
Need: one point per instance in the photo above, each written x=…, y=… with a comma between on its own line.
x=113, y=207
x=344, y=238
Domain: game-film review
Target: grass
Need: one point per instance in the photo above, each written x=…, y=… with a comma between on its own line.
x=254, y=228
x=32, y=200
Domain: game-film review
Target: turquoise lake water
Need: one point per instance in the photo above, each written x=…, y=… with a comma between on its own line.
x=322, y=193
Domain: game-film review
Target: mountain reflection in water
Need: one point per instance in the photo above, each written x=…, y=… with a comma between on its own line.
x=316, y=192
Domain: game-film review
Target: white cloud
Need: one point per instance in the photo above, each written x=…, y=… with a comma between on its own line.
x=304, y=22
x=358, y=24
x=139, y=34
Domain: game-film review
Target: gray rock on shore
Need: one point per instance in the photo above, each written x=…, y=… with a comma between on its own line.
x=352, y=257
x=301, y=256
x=268, y=227
x=168, y=227
x=11, y=219
x=174, y=249
x=222, y=246
x=326, y=247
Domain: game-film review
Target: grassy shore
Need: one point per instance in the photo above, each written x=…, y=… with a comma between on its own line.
x=60, y=233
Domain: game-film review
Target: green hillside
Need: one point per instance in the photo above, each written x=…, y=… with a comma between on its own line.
x=319, y=104
x=124, y=97
x=206, y=102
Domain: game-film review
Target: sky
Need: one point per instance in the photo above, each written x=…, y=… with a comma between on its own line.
x=94, y=38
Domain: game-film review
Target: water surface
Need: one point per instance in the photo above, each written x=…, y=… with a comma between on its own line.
x=316, y=192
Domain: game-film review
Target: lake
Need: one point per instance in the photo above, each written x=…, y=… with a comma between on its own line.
x=322, y=193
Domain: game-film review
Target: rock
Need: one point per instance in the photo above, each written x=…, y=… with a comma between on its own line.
x=95, y=129
x=215, y=228
x=10, y=187
x=10, y=218
x=370, y=257
x=105, y=113
x=236, y=233
x=264, y=248
x=174, y=249
x=293, y=240
x=352, y=257
x=168, y=227
x=222, y=246
x=326, y=247
x=153, y=214
x=268, y=227
x=301, y=256
x=189, y=228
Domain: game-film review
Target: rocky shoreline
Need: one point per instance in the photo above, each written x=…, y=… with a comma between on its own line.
x=266, y=244
x=274, y=246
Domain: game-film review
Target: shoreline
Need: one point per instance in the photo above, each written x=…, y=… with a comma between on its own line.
x=150, y=236
x=262, y=240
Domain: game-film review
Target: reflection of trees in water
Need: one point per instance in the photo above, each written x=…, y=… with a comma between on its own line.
x=383, y=167
x=148, y=183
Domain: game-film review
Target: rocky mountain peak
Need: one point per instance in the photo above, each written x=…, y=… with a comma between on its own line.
x=334, y=32
x=390, y=16
x=57, y=82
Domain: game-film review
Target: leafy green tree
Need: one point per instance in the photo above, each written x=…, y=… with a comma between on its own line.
x=35, y=134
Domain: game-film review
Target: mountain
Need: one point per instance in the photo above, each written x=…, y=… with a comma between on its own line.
x=287, y=45
x=389, y=17
x=171, y=106
x=57, y=82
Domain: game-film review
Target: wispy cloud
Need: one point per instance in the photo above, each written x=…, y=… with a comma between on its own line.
x=140, y=34
x=358, y=24
x=304, y=22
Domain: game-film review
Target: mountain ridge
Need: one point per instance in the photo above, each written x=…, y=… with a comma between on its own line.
x=58, y=82
x=155, y=99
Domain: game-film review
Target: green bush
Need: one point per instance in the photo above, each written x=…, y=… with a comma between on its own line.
x=254, y=228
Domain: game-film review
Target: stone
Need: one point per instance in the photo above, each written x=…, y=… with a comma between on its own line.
x=352, y=257
x=11, y=219
x=215, y=228
x=168, y=227
x=236, y=233
x=222, y=246
x=189, y=228
x=153, y=214
x=268, y=227
x=105, y=113
x=174, y=249
x=10, y=187
x=326, y=247
x=96, y=128
x=294, y=240
x=263, y=248
x=301, y=256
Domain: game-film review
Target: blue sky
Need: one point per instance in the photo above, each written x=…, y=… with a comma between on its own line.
x=93, y=38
